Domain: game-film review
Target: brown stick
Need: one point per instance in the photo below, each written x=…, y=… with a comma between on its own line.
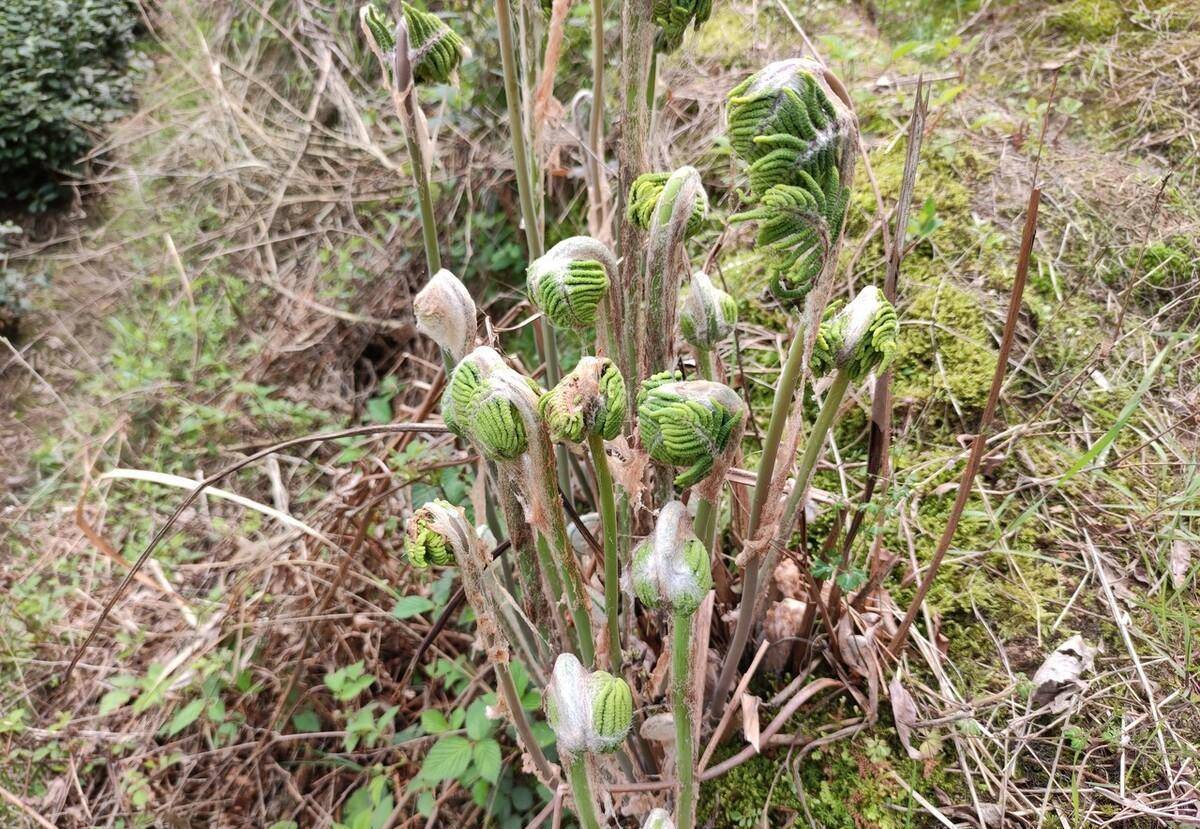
x=973, y=461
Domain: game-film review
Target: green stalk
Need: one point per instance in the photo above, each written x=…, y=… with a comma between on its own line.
x=577, y=602
x=706, y=363
x=681, y=680
x=596, y=125
x=651, y=84
x=530, y=216
x=554, y=579
x=608, y=518
x=788, y=379
x=433, y=257
x=812, y=449
x=706, y=522
x=581, y=788
x=508, y=691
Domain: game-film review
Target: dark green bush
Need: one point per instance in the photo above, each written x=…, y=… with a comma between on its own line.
x=65, y=70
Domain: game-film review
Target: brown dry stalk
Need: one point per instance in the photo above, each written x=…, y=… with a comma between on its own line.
x=966, y=483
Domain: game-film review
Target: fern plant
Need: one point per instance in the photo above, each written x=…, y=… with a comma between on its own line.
x=675, y=436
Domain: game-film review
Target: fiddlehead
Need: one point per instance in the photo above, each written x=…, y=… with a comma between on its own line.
x=569, y=281
x=589, y=712
x=445, y=313
x=434, y=49
x=673, y=17
x=708, y=314
x=859, y=338
x=590, y=400
x=670, y=568
x=798, y=142
x=644, y=196
x=435, y=535
x=483, y=412
x=691, y=423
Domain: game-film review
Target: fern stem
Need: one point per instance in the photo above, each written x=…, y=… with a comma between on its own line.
x=681, y=681
x=784, y=392
x=508, y=691
x=581, y=789
x=608, y=517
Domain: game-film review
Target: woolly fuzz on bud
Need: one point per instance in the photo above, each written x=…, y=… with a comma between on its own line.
x=860, y=337
x=589, y=400
x=568, y=282
x=437, y=533
x=709, y=314
x=658, y=819
x=445, y=313
x=589, y=712
x=671, y=568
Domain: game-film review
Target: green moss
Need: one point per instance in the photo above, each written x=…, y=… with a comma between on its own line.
x=846, y=786
x=1089, y=19
x=945, y=353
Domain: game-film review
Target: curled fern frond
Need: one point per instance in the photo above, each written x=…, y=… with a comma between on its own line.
x=797, y=141
x=436, y=534
x=690, y=424
x=645, y=194
x=671, y=569
x=708, y=314
x=673, y=17
x=569, y=281
x=590, y=400
x=434, y=49
x=589, y=712
x=860, y=337
x=483, y=412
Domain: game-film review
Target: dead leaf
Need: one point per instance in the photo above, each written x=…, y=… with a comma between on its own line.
x=1179, y=562
x=750, y=721
x=659, y=728
x=904, y=712
x=1059, y=679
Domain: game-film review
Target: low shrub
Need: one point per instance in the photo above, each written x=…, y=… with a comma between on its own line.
x=67, y=68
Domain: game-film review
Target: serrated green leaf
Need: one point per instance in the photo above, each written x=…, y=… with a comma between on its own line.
x=478, y=724
x=184, y=717
x=434, y=721
x=306, y=721
x=113, y=700
x=409, y=606
x=447, y=759
x=487, y=759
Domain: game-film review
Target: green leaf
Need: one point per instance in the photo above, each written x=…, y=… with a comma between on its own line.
x=434, y=721
x=306, y=721
x=425, y=802
x=185, y=716
x=521, y=797
x=447, y=759
x=487, y=759
x=284, y=824
x=478, y=724
x=379, y=409
x=409, y=606
x=113, y=700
